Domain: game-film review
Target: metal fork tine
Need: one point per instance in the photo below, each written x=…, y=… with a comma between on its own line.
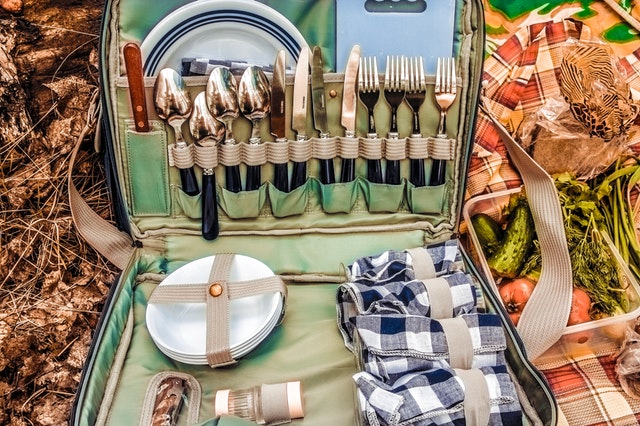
x=374, y=70
x=423, y=79
x=437, y=88
x=452, y=65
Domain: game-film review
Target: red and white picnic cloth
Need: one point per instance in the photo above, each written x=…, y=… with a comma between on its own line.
x=518, y=78
x=589, y=394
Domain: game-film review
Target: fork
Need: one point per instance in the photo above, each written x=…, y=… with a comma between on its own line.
x=369, y=93
x=395, y=82
x=445, y=94
x=415, y=96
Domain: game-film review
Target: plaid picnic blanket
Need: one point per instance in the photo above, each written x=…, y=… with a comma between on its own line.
x=589, y=394
x=519, y=77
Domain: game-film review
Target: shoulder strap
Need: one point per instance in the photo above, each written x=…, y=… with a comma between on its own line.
x=545, y=316
x=107, y=239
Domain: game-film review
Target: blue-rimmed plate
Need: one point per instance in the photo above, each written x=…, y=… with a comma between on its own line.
x=236, y=30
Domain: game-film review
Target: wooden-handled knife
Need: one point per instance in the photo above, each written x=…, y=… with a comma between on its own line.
x=133, y=66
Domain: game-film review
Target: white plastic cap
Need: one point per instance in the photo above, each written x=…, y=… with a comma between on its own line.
x=295, y=400
x=222, y=402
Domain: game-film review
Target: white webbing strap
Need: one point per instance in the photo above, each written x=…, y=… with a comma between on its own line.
x=108, y=240
x=545, y=315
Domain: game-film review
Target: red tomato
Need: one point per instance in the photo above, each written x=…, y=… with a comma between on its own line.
x=514, y=295
x=580, y=306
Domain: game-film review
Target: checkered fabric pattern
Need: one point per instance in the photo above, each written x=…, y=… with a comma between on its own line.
x=393, y=345
x=383, y=314
x=396, y=265
x=519, y=77
x=434, y=397
x=399, y=297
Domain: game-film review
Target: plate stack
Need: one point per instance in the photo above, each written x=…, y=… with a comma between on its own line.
x=179, y=329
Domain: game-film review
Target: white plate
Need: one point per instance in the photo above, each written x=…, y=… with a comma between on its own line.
x=238, y=30
x=236, y=353
x=180, y=328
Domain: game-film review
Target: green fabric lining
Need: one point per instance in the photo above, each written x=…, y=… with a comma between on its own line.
x=306, y=346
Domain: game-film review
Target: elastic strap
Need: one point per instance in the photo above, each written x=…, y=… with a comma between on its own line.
x=440, y=298
x=477, y=402
x=545, y=315
x=423, y=267
x=218, y=317
x=458, y=341
x=275, y=406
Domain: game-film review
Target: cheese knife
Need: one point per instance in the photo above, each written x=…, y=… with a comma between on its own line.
x=327, y=174
x=278, y=121
x=133, y=67
x=349, y=102
x=299, y=114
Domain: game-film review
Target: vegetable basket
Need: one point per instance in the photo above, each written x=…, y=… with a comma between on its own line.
x=593, y=337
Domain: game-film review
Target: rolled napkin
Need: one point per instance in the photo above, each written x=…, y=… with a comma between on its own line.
x=442, y=297
x=391, y=346
x=418, y=263
x=441, y=397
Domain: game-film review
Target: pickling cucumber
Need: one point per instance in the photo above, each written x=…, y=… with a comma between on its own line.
x=510, y=256
x=488, y=232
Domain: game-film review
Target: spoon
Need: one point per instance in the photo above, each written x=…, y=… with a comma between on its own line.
x=254, y=100
x=173, y=105
x=222, y=99
x=207, y=131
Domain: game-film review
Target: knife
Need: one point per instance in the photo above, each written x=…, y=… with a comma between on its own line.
x=299, y=115
x=349, y=103
x=278, y=129
x=327, y=175
x=133, y=66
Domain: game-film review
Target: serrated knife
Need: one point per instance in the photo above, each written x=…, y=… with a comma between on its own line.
x=327, y=174
x=278, y=118
x=299, y=114
x=349, y=102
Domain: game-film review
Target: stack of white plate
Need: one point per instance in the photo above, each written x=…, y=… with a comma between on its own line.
x=179, y=329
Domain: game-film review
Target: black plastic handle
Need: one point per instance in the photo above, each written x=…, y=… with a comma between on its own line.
x=416, y=173
x=374, y=171
x=327, y=173
x=438, y=172
x=392, y=175
x=281, y=177
x=189, y=181
x=232, y=176
x=299, y=174
x=348, y=172
x=254, y=178
x=210, y=223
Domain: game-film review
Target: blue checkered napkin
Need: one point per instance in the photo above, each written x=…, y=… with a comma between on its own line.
x=434, y=397
x=400, y=297
x=396, y=265
x=392, y=346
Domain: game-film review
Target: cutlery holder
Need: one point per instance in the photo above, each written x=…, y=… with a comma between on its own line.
x=305, y=236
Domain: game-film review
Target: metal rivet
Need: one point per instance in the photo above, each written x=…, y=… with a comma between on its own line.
x=215, y=289
x=333, y=93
